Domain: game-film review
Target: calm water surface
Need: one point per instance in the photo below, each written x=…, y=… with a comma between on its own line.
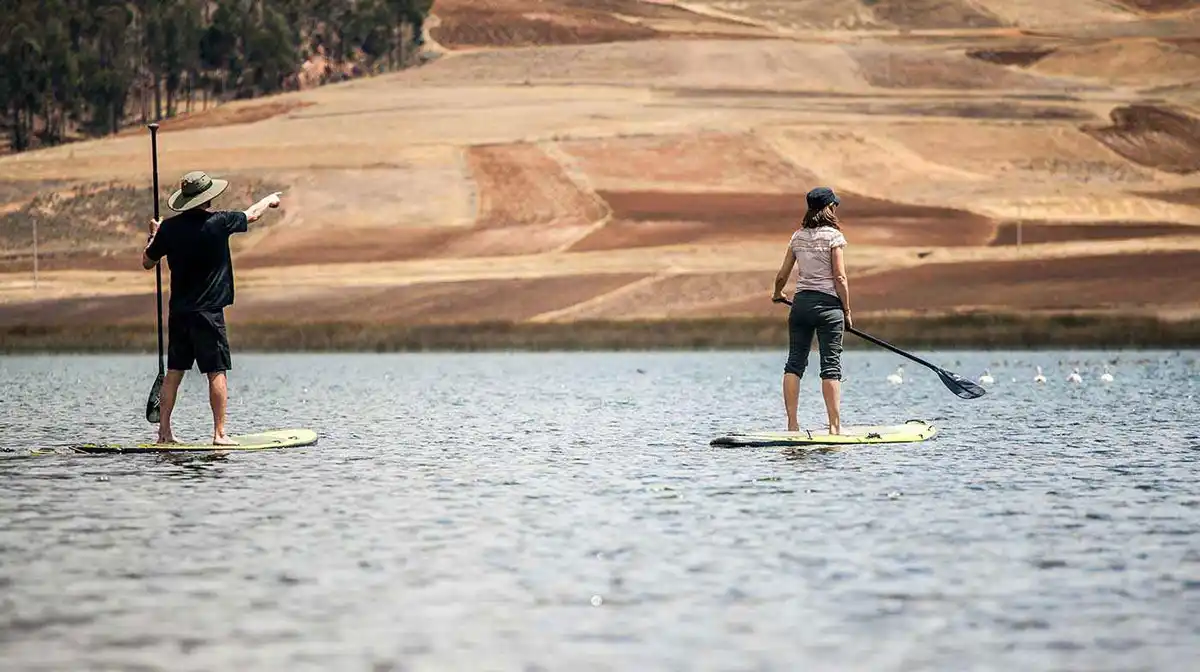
x=565, y=512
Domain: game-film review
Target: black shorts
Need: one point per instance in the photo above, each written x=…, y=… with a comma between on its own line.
x=198, y=338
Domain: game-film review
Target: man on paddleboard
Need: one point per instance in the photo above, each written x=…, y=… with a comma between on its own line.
x=821, y=305
x=196, y=245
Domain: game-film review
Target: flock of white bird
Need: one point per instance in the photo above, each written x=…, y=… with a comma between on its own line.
x=1075, y=377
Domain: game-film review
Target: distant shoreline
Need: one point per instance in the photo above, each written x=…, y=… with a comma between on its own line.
x=967, y=331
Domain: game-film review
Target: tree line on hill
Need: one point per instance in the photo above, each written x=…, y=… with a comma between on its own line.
x=78, y=68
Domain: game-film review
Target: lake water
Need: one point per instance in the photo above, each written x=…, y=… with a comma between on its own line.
x=565, y=512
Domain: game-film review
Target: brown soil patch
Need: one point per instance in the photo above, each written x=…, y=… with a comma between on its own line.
x=619, y=234
x=1137, y=62
x=482, y=301
x=1041, y=232
x=638, y=9
x=525, y=23
x=701, y=161
x=969, y=110
x=527, y=203
x=464, y=302
x=1150, y=280
x=659, y=63
x=1156, y=6
x=230, y=114
x=1161, y=138
x=1180, y=196
x=1188, y=45
x=940, y=70
x=684, y=295
x=522, y=23
x=123, y=309
x=835, y=102
x=1019, y=57
x=926, y=14
x=874, y=221
x=757, y=305
x=285, y=247
x=732, y=209
x=647, y=219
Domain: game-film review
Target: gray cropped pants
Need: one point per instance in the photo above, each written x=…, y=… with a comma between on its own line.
x=821, y=314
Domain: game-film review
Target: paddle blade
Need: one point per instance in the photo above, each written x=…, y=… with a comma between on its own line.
x=964, y=388
x=152, y=404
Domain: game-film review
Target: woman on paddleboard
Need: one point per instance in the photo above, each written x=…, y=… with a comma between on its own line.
x=821, y=305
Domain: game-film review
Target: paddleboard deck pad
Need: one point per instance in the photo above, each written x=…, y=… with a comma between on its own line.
x=912, y=431
x=280, y=438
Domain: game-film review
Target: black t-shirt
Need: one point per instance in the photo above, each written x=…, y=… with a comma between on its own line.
x=196, y=245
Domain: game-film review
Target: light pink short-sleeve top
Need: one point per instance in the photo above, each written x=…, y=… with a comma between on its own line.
x=814, y=258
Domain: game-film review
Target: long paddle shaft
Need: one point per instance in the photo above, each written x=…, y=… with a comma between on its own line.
x=152, y=404
x=964, y=388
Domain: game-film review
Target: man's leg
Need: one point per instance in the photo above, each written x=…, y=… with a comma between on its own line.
x=212, y=355
x=181, y=356
x=166, y=404
x=218, y=397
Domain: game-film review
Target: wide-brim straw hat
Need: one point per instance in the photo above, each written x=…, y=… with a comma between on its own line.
x=196, y=188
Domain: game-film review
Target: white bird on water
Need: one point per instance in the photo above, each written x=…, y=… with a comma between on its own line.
x=1106, y=376
x=897, y=377
x=1075, y=377
x=1039, y=378
x=987, y=378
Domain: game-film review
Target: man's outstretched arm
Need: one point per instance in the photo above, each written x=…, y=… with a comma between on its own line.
x=255, y=212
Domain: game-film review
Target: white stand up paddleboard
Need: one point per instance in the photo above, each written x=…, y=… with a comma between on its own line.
x=912, y=431
x=279, y=438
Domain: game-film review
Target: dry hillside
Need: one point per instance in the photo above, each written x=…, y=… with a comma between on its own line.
x=559, y=160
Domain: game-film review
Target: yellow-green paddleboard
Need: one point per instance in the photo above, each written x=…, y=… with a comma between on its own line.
x=910, y=432
x=279, y=438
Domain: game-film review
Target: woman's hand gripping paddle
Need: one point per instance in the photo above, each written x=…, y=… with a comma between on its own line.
x=962, y=387
x=152, y=404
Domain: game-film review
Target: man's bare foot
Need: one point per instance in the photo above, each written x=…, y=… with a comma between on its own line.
x=223, y=440
x=793, y=428
x=167, y=439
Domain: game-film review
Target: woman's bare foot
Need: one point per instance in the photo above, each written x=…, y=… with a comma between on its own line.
x=223, y=440
x=835, y=430
x=793, y=428
x=167, y=439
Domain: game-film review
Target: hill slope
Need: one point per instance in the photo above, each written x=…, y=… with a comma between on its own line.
x=566, y=160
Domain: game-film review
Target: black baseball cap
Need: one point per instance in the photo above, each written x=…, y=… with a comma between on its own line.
x=822, y=197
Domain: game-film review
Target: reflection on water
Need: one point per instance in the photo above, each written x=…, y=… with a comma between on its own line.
x=564, y=511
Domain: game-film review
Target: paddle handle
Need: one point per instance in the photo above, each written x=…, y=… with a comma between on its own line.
x=157, y=267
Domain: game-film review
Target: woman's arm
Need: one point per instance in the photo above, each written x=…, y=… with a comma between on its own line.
x=785, y=271
x=840, y=282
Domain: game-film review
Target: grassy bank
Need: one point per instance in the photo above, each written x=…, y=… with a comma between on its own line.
x=976, y=331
